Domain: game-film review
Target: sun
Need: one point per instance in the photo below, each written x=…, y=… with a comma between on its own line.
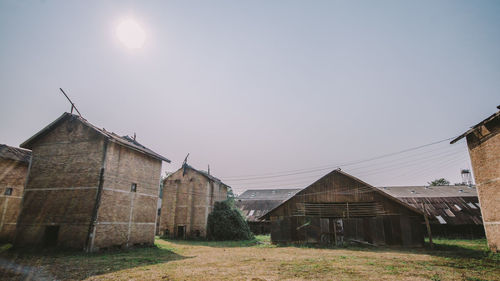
x=131, y=34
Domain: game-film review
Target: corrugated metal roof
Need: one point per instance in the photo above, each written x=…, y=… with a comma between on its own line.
x=15, y=153
x=430, y=191
x=446, y=204
x=254, y=203
x=268, y=194
x=122, y=140
x=253, y=209
x=452, y=210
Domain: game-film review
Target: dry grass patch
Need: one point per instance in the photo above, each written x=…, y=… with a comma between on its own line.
x=259, y=260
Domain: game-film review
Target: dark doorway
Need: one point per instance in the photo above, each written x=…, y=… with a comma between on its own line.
x=50, y=236
x=181, y=231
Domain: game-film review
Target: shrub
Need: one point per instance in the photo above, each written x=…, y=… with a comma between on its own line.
x=226, y=222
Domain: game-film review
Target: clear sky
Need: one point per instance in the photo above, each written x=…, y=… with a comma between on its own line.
x=258, y=87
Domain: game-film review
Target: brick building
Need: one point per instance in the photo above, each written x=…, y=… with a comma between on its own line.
x=483, y=141
x=188, y=197
x=88, y=188
x=14, y=164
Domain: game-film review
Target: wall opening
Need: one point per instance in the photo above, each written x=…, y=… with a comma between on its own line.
x=181, y=231
x=50, y=235
x=8, y=191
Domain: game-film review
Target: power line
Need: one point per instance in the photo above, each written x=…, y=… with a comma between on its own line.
x=321, y=168
x=439, y=163
x=393, y=163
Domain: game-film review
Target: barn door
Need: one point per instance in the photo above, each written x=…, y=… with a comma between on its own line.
x=339, y=232
x=326, y=234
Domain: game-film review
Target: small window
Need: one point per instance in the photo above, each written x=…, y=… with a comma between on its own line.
x=8, y=191
x=133, y=187
x=458, y=207
x=251, y=213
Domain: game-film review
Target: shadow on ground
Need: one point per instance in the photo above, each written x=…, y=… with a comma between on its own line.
x=46, y=264
x=462, y=254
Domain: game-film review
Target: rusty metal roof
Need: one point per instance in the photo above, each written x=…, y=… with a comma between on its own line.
x=15, y=153
x=448, y=210
x=122, y=140
x=449, y=204
x=254, y=209
x=268, y=194
x=254, y=203
x=430, y=191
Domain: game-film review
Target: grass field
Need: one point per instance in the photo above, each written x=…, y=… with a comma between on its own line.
x=257, y=260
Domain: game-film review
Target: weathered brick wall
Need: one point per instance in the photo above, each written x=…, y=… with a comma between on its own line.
x=12, y=175
x=484, y=149
x=187, y=201
x=62, y=185
x=126, y=218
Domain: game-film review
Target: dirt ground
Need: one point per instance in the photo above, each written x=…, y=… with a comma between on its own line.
x=258, y=260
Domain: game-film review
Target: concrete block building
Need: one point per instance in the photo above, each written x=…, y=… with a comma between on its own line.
x=483, y=141
x=188, y=197
x=88, y=188
x=14, y=164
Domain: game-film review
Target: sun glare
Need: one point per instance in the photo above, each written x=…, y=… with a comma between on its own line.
x=131, y=34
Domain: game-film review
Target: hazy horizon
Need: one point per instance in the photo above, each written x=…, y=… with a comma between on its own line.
x=259, y=88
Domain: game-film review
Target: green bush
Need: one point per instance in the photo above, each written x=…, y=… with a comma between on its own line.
x=225, y=222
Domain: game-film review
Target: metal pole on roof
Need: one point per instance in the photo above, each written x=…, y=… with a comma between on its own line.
x=73, y=106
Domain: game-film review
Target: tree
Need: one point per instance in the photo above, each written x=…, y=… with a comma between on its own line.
x=438, y=182
x=226, y=222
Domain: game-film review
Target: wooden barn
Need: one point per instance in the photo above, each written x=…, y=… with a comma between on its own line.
x=340, y=208
x=14, y=164
x=188, y=197
x=88, y=188
x=254, y=203
x=453, y=210
x=483, y=140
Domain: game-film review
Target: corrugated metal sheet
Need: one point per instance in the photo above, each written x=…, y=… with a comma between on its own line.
x=253, y=209
x=453, y=210
x=430, y=191
x=268, y=194
x=254, y=203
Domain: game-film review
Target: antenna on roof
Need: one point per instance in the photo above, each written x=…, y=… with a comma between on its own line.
x=73, y=106
x=185, y=160
x=184, y=164
x=208, y=169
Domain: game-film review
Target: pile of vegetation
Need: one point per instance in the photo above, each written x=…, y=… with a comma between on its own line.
x=226, y=222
